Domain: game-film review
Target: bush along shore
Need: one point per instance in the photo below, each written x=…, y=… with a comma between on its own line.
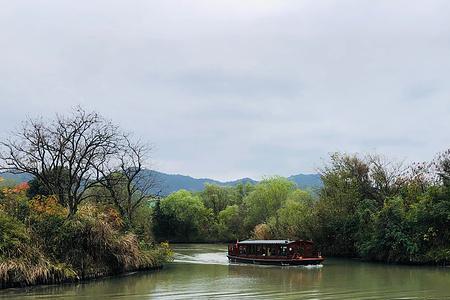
x=39, y=244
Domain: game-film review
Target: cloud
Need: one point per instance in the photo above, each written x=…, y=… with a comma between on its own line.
x=237, y=88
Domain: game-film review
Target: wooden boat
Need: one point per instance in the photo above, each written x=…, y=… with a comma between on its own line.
x=274, y=252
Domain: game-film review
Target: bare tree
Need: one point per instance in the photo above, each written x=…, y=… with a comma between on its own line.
x=126, y=177
x=440, y=168
x=387, y=176
x=63, y=154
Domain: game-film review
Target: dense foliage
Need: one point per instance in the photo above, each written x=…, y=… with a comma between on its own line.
x=368, y=207
x=380, y=210
x=86, y=212
x=40, y=244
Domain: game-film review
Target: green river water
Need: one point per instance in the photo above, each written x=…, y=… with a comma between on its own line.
x=203, y=272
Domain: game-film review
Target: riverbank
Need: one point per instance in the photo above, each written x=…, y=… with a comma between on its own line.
x=16, y=273
x=202, y=271
x=40, y=244
x=53, y=276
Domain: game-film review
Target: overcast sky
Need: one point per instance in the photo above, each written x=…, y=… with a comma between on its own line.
x=229, y=89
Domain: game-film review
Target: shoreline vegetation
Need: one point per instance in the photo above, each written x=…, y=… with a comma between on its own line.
x=90, y=211
x=87, y=211
x=40, y=245
x=369, y=207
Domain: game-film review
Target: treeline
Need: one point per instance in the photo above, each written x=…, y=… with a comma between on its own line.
x=369, y=207
x=228, y=213
x=85, y=214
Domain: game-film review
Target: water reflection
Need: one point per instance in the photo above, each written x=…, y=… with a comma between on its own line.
x=286, y=277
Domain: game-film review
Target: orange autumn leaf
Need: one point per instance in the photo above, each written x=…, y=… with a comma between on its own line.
x=21, y=187
x=47, y=205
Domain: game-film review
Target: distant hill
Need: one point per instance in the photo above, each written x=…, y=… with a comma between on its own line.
x=22, y=177
x=169, y=183
x=307, y=181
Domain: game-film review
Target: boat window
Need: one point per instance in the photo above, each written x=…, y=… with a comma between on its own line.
x=301, y=250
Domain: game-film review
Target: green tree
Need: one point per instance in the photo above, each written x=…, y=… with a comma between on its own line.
x=217, y=197
x=243, y=189
x=186, y=217
x=266, y=198
x=294, y=219
x=230, y=223
x=366, y=215
x=433, y=221
x=393, y=239
x=346, y=183
x=13, y=236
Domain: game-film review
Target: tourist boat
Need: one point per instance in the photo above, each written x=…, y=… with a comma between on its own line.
x=274, y=252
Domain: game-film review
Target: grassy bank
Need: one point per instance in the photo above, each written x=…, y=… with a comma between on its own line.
x=39, y=244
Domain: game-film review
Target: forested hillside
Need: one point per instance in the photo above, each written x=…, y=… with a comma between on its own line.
x=169, y=183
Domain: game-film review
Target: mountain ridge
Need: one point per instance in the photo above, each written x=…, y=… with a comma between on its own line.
x=174, y=182
x=169, y=183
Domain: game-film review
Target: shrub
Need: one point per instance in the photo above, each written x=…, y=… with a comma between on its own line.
x=14, y=202
x=13, y=236
x=142, y=223
x=21, y=260
x=92, y=242
x=262, y=232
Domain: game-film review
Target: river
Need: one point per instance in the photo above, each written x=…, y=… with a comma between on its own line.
x=202, y=271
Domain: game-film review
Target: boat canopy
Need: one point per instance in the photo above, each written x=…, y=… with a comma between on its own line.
x=265, y=242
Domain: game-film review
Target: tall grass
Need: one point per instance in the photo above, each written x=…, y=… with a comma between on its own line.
x=94, y=242
x=46, y=248
x=21, y=260
x=19, y=272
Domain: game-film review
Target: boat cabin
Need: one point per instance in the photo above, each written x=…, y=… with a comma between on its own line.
x=272, y=248
x=274, y=251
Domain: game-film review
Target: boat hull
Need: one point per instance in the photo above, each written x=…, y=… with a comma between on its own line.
x=277, y=261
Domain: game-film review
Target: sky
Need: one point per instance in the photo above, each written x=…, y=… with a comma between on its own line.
x=237, y=88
